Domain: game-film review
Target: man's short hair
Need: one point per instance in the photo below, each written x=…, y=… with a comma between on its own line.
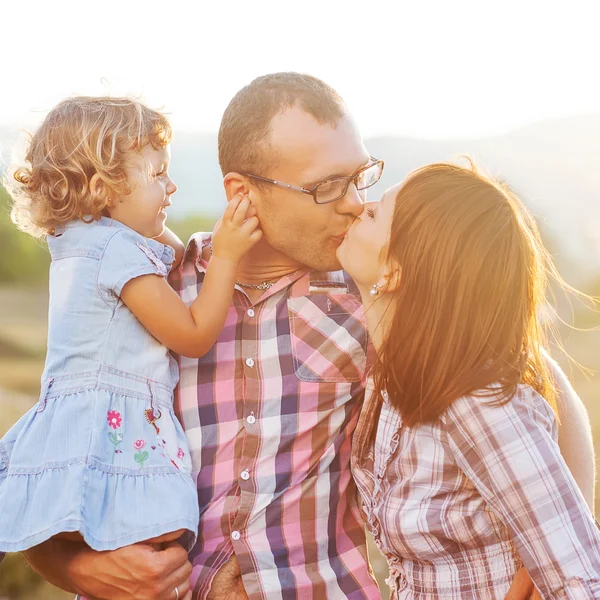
x=246, y=122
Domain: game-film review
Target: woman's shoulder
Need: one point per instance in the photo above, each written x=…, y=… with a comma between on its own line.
x=493, y=408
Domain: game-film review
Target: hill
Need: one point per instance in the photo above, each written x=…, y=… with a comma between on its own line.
x=553, y=165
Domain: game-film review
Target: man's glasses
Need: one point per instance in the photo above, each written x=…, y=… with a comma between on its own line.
x=335, y=188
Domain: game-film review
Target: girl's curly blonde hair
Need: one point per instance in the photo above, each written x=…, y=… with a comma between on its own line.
x=80, y=137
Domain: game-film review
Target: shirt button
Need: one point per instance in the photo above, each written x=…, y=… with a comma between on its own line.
x=251, y=419
x=235, y=535
x=249, y=362
x=250, y=312
x=574, y=583
x=245, y=475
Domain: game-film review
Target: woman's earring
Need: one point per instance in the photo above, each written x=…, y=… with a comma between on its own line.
x=374, y=291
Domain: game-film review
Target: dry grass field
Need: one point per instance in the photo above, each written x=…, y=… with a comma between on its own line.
x=22, y=346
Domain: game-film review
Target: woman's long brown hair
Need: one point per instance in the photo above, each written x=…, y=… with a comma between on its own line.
x=465, y=316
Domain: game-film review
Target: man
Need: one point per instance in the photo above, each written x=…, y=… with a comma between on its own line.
x=274, y=405
x=270, y=411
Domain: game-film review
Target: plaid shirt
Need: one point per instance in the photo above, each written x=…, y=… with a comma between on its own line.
x=458, y=505
x=269, y=413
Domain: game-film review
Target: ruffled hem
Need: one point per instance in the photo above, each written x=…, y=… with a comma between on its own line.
x=109, y=510
x=99, y=544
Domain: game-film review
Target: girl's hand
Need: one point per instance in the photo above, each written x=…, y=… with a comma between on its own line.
x=237, y=231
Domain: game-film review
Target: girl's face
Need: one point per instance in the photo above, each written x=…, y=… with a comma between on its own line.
x=362, y=254
x=144, y=208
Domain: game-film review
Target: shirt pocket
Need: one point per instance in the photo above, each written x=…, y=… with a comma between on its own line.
x=328, y=338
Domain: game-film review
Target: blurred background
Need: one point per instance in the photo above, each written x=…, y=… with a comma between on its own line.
x=513, y=84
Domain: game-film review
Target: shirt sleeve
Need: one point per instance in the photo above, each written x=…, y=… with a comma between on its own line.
x=510, y=454
x=186, y=274
x=128, y=255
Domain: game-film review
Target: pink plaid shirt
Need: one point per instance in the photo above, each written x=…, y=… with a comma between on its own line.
x=458, y=505
x=269, y=414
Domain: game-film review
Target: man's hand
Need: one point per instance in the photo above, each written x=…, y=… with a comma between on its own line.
x=522, y=587
x=136, y=572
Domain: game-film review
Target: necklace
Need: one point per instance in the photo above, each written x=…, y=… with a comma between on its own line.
x=265, y=285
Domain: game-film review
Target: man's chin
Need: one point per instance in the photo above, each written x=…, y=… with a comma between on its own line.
x=304, y=254
x=328, y=260
x=325, y=264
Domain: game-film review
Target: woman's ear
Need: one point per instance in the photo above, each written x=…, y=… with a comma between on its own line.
x=392, y=277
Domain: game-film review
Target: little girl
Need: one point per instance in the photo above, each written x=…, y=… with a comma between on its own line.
x=101, y=456
x=455, y=454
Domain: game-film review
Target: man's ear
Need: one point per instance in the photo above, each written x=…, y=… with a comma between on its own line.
x=234, y=184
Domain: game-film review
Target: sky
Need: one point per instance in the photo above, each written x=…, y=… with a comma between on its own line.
x=427, y=69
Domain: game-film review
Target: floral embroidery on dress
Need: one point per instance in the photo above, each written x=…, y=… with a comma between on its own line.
x=159, y=264
x=167, y=450
x=140, y=457
x=115, y=440
x=114, y=419
x=151, y=417
x=115, y=437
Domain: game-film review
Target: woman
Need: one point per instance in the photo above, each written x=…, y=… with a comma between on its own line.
x=456, y=456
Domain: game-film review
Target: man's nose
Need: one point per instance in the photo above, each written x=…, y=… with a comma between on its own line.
x=352, y=203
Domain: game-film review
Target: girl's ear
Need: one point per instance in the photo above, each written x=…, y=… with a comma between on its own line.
x=95, y=185
x=99, y=190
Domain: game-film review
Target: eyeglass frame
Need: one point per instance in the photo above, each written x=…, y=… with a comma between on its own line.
x=312, y=191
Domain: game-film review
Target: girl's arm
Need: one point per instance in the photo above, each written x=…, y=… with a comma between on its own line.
x=512, y=459
x=169, y=238
x=193, y=331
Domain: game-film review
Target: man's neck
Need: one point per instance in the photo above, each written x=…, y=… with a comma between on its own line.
x=263, y=263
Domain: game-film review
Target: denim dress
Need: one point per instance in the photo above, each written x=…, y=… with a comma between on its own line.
x=102, y=452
